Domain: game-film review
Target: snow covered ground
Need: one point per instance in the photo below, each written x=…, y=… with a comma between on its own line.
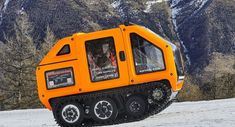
x=217, y=113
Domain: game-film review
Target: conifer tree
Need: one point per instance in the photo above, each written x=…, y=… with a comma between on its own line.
x=19, y=58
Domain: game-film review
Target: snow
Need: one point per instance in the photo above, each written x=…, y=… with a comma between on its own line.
x=217, y=113
x=200, y=4
x=3, y=10
x=27, y=118
x=152, y=2
x=175, y=2
x=176, y=11
x=115, y=4
x=119, y=7
x=5, y=5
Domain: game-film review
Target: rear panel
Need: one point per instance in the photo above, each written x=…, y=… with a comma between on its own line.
x=57, y=71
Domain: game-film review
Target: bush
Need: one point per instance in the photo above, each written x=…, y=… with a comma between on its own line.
x=220, y=88
x=190, y=91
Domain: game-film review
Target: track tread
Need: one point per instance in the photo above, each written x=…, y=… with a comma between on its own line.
x=154, y=109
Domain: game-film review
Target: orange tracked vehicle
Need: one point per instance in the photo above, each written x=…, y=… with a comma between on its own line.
x=108, y=77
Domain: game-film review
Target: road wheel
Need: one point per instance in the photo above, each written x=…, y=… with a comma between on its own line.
x=135, y=106
x=104, y=110
x=161, y=94
x=68, y=114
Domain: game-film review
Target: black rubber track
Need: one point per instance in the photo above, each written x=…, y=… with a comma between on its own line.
x=112, y=93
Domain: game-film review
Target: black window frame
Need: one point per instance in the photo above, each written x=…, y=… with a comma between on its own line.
x=164, y=63
x=60, y=54
x=89, y=41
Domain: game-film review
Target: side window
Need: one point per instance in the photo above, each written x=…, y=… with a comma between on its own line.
x=147, y=57
x=64, y=50
x=102, y=59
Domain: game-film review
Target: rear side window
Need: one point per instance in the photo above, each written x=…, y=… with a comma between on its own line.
x=147, y=57
x=64, y=50
x=102, y=59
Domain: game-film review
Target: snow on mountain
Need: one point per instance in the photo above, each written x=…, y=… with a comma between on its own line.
x=150, y=3
x=215, y=113
x=3, y=10
x=175, y=12
x=179, y=8
x=5, y=5
x=120, y=7
x=174, y=2
x=115, y=4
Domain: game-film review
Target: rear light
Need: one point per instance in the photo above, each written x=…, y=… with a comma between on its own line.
x=59, y=78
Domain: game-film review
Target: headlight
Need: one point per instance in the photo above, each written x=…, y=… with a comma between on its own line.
x=59, y=78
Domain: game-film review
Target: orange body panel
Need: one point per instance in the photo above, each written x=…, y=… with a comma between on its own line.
x=77, y=59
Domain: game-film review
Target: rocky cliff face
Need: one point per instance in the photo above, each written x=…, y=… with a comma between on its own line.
x=66, y=17
x=205, y=28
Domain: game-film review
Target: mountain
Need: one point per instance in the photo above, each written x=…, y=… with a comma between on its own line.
x=204, y=29
x=215, y=113
x=66, y=17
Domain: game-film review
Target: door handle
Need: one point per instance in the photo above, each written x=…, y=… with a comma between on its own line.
x=122, y=56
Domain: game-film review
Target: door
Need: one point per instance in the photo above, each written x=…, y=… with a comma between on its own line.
x=145, y=53
x=105, y=60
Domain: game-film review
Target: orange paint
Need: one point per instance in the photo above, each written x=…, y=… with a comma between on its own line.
x=77, y=59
